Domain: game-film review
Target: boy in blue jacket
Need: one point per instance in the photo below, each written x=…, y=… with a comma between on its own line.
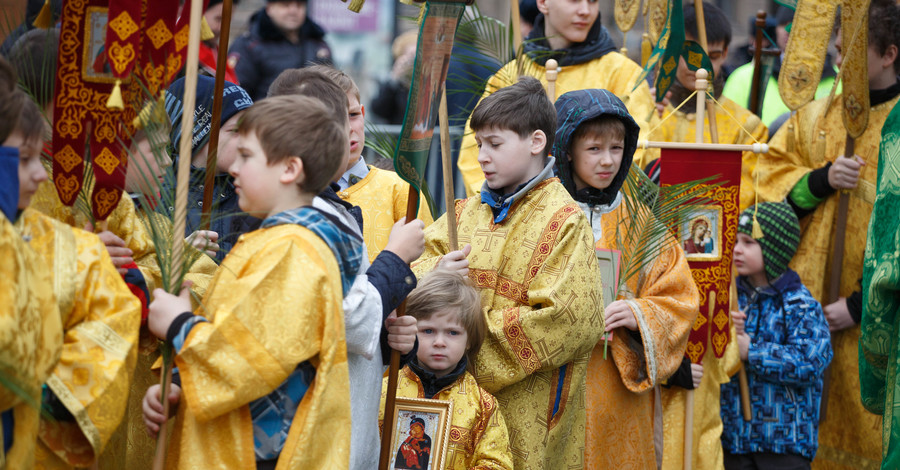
x=784, y=342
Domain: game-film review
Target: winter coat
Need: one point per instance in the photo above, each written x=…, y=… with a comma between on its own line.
x=790, y=347
x=263, y=52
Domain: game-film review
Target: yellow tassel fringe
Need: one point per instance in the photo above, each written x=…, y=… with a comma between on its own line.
x=206, y=32
x=115, y=98
x=44, y=19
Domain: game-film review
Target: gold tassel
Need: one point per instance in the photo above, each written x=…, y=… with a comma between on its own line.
x=206, y=32
x=646, y=48
x=44, y=19
x=757, y=232
x=790, y=138
x=820, y=145
x=356, y=5
x=115, y=98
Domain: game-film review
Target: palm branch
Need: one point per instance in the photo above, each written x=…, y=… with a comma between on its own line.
x=655, y=213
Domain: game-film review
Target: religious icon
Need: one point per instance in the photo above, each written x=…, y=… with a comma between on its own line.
x=96, y=66
x=420, y=435
x=701, y=234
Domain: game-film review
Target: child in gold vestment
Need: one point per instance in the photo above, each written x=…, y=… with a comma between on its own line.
x=528, y=247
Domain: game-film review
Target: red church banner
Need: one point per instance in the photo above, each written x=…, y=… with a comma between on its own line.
x=708, y=237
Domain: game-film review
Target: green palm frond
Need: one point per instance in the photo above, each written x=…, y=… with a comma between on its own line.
x=655, y=213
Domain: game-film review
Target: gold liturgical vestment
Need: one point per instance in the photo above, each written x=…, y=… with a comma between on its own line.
x=620, y=396
x=275, y=303
x=30, y=340
x=130, y=447
x=682, y=127
x=382, y=196
x=538, y=278
x=849, y=436
x=478, y=435
x=100, y=317
x=613, y=71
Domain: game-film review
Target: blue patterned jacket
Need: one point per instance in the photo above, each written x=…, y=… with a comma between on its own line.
x=790, y=347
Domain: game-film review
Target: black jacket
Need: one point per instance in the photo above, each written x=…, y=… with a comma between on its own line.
x=263, y=52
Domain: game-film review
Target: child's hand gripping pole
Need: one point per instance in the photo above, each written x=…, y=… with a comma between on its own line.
x=742, y=373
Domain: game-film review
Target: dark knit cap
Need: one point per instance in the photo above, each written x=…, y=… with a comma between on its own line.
x=234, y=99
x=781, y=234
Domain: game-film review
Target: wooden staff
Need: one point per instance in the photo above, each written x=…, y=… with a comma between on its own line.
x=446, y=157
x=743, y=383
x=711, y=105
x=551, y=69
x=181, y=192
x=387, y=427
x=757, y=63
x=655, y=144
x=516, y=20
x=213, y=153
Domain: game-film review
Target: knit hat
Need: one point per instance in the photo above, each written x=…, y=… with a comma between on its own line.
x=781, y=234
x=234, y=99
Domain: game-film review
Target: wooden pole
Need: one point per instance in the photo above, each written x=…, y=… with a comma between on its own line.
x=743, y=383
x=390, y=404
x=652, y=144
x=213, y=153
x=755, y=86
x=446, y=157
x=181, y=192
x=701, y=31
x=515, y=19
x=552, y=70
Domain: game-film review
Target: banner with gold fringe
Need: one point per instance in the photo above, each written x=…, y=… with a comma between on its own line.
x=708, y=237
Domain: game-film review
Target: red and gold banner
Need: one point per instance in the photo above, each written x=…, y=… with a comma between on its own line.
x=159, y=64
x=182, y=28
x=708, y=237
x=123, y=38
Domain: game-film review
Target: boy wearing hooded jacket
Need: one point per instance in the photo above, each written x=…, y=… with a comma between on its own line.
x=652, y=315
x=570, y=32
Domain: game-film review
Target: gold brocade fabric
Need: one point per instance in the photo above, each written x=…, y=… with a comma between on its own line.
x=707, y=436
x=275, y=303
x=539, y=292
x=478, y=436
x=682, y=128
x=613, y=71
x=849, y=436
x=620, y=400
x=126, y=223
x=382, y=196
x=100, y=319
x=804, y=56
x=31, y=339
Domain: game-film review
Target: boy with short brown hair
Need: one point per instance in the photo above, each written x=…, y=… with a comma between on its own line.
x=528, y=247
x=280, y=285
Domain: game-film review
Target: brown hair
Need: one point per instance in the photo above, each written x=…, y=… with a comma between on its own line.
x=342, y=79
x=604, y=126
x=313, y=83
x=298, y=126
x=11, y=100
x=34, y=57
x=443, y=290
x=31, y=123
x=522, y=108
x=884, y=28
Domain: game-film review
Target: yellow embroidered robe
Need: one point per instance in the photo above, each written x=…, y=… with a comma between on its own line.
x=614, y=72
x=707, y=436
x=538, y=278
x=682, y=128
x=275, y=303
x=130, y=447
x=849, y=436
x=30, y=339
x=100, y=318
x=620, y=397
x=382, y=196
x=478, y=436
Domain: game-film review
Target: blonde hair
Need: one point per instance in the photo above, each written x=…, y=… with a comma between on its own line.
x=442, y=291
x=403, y=41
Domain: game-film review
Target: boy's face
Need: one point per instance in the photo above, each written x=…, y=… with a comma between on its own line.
x=567, y=22
x=717, y=52
x=256, y=183
x=596, y=160
x=508, y=160
x=147, y=165
x=31, y=171
x=748, y=258
x=357, y=130
x=227, y=143
x=877, y=63
x=287, y=15
x=442, y=342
